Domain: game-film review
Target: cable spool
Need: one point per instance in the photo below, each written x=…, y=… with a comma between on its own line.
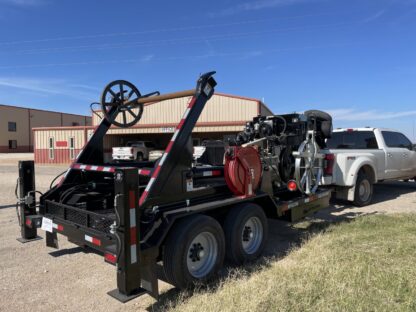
x=242, y=170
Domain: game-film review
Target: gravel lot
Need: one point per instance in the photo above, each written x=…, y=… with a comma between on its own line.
x=41, y=279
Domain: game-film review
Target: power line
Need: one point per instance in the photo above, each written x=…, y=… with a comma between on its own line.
x=174, y=29
x=178, y=40
x=174, y=58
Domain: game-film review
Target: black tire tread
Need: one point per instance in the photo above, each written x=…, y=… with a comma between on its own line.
x=357, y=202
x=172, y=262
x=233, y=254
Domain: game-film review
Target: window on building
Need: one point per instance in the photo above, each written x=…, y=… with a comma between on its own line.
x=12, y=126
x=75, y=124
x=71, y=148
x=12, y=144
x=51, y=148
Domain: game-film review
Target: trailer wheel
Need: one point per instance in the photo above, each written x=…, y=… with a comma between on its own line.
x=246, y=231
x=194, y=251
x=363, y=190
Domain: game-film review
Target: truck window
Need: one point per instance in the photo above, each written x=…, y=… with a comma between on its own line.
x=396, y=139
x=352, y=140
x=130, y=144
x=149, y=144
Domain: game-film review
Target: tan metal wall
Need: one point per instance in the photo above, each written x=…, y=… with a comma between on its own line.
x=75, y=120
x=27, y=119
x=220, y=111
x=22, y=134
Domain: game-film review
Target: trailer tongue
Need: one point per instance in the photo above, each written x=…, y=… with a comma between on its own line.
x=174, y=211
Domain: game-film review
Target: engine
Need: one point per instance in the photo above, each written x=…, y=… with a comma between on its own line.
x=288, y=146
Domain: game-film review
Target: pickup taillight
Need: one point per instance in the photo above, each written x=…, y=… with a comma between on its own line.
x=131, y=150
x=329, y=164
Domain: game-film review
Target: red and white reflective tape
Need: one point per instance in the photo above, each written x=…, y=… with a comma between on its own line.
x=145, y=172
x=92, y=240
x=212, y=173
x=133, y=228
x=93, y=168
x=58, y=227
x=167, y=150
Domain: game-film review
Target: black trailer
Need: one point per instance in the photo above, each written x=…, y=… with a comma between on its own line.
x=173, y=213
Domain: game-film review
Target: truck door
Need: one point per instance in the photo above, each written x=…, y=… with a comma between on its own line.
x=409, y=156
x=394, y=155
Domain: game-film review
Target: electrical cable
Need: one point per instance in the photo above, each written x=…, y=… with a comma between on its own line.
x=93, y=111
x=53, y=181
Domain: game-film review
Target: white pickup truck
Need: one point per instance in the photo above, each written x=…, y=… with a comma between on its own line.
x=135, y=150
x=361, y=157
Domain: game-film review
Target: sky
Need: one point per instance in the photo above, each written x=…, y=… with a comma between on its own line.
x=355, y=59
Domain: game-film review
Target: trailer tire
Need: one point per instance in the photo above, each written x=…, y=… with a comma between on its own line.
x=196, y=239
x=246, y=231
x=363, y=193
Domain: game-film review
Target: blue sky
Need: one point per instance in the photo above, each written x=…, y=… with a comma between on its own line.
x=356, y=59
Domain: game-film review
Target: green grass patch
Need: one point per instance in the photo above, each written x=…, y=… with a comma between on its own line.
x=368, y=264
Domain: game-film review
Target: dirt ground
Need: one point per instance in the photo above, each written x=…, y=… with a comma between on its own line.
x=41, y=279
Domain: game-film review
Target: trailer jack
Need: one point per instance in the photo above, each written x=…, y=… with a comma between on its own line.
x=29, y=221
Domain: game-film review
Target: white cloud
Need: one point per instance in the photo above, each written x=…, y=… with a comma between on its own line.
x=346, y=114
x=23, y=3
x=147, y=58
x=374, y=16
x=256, y=5
x=49, y=86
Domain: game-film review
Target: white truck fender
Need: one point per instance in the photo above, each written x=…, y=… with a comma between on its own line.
x=359, y=163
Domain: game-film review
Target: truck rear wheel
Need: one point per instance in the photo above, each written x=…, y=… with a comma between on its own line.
x=246, y=231
x=194, y=251
x=139, y=157
x=363, y=190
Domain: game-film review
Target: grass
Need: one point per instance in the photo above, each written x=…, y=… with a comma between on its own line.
x=368, y=264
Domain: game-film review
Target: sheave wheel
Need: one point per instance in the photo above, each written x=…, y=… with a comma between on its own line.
x=117, y=99
x=363, y=190
x=194, y=251
x=246, y=231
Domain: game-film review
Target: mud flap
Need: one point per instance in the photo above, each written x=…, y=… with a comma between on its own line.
x=149, y=280
x=52, y=240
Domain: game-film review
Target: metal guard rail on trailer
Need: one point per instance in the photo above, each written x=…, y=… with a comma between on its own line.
x=132, y=234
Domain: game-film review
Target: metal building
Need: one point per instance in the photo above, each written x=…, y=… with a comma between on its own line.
x=223, y=117
x=17, y=124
